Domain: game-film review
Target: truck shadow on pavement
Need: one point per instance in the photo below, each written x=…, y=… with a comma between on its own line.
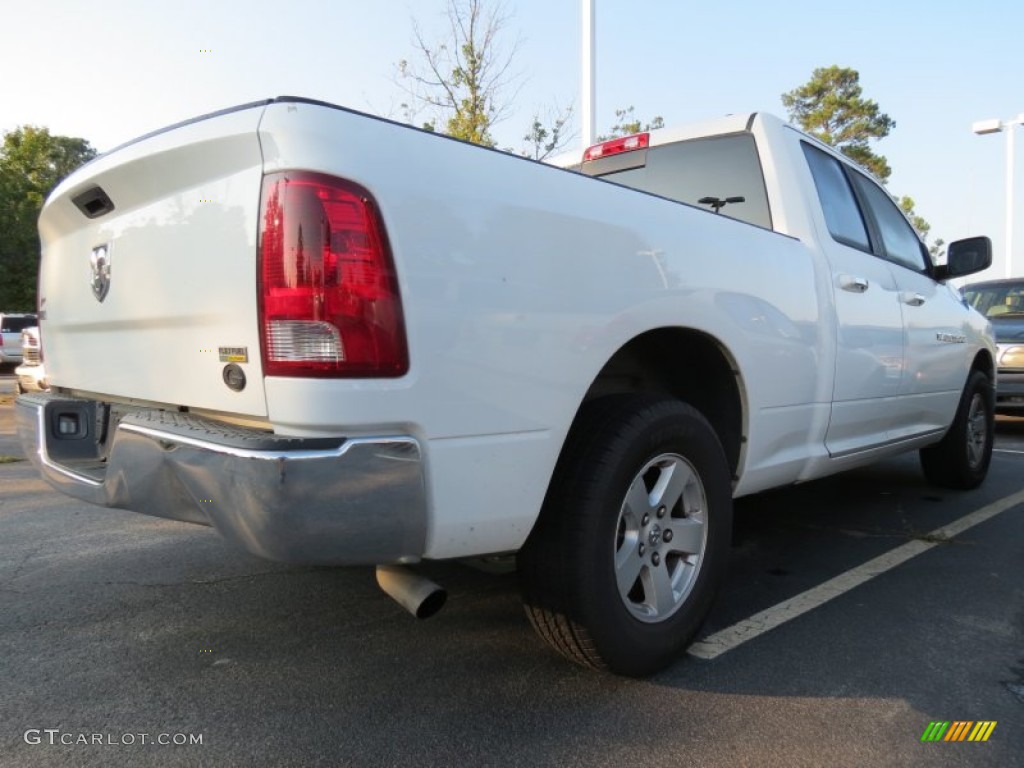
x=112, y=617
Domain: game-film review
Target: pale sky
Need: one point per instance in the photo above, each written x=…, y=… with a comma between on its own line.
x=111, y=70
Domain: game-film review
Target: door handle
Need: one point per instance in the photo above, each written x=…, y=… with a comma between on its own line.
x=911, y=298
x=853, y=284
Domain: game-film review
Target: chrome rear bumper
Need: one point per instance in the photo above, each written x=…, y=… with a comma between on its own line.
x=326, y=501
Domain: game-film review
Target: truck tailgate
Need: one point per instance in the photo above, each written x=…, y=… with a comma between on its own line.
x=150, y=300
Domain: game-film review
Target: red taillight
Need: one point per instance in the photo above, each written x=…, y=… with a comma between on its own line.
x=329, y=301
x=617, y=146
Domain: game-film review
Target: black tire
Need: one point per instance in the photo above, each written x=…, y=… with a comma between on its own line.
x=960, y=460
x=589, y=534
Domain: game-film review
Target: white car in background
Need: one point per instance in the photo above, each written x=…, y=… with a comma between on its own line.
x=11, y=326
x=31, y=373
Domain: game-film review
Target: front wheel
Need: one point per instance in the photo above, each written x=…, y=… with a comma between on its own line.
x=960, y=460
x=631, y=544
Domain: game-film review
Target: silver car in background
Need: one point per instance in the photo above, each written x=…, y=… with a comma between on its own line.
x=31, y=373
x=11, y=326
x=1002, y=302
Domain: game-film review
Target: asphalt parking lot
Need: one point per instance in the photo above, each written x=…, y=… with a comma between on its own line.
x=114, y=625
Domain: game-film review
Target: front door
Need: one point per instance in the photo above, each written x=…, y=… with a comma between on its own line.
x=933, y=316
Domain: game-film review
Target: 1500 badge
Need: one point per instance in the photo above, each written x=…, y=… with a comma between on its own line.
x=233, y=354
x=951, y=338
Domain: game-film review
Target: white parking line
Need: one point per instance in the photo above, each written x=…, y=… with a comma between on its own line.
x=718, y=643
x=1005, y=450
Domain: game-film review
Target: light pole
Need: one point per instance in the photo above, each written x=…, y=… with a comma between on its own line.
x=587, y=118
x=995, y=126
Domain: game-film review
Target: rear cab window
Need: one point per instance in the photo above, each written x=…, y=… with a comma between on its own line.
x=711, y=170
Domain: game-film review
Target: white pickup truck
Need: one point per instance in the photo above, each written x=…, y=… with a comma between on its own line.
x=340, y=340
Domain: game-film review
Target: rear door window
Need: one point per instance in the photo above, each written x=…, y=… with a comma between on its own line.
x=838, y=202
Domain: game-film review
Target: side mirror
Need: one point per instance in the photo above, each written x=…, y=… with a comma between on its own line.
x=965, y=257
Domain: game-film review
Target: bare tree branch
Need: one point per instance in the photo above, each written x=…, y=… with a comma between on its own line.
x=463, y=80
x=467, y=82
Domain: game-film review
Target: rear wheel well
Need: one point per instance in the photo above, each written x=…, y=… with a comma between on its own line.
x=687, y=365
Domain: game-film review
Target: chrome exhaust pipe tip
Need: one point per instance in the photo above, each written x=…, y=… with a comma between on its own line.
x=417, y=594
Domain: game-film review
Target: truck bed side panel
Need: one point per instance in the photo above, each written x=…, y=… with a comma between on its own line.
x=519, y=282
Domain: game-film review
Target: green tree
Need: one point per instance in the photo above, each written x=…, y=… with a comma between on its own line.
x=936, y=249
x=832, y=107
x=466, y=83
x=627, y=123
x=32, y=163
x=906, y=204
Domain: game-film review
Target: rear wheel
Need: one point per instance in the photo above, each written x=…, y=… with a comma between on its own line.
x=625, y=559
x=960, y=460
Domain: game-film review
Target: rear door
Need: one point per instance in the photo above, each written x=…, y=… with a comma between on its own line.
x=869, y=333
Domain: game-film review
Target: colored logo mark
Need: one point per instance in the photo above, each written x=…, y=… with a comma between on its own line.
x=958, y=730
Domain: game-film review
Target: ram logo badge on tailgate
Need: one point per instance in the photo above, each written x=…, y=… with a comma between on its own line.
x=100, y=262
